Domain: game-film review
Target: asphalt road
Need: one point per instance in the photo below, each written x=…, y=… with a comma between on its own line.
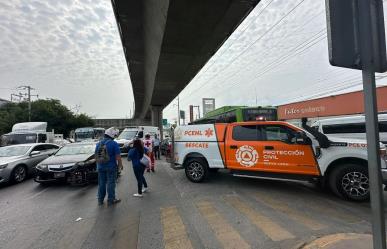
x=224, y=212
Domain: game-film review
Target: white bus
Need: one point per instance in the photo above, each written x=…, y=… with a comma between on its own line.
x=350, y=127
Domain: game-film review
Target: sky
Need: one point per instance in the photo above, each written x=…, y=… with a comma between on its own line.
x=70, y=50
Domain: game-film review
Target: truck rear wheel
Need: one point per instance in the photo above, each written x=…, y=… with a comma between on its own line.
x=196, y=169
x=351, y=182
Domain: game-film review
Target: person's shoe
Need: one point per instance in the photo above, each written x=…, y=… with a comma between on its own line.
x=115, y=201
x=137, y=195
x=100, y=203
x=145, y=190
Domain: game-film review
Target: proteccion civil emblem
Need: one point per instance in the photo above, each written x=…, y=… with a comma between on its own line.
x=247, y=156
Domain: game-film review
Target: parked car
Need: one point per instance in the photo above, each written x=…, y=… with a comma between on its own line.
x=19, y=161
x=73, y=163
x=165, y=146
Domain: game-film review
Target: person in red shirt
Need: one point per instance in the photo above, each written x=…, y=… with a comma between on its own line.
x=148, y=143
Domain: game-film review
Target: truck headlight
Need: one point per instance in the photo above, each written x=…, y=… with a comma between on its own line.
x=3, y=166
x=42, y=166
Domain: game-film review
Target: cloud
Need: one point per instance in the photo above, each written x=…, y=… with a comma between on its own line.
x=67, y=49
x=277, y=55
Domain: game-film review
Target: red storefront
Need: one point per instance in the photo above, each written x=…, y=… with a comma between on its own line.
x=343, y=104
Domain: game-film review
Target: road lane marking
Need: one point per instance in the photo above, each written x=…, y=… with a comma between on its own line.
x=293, y=214
x=175, y=235
x=224, y=232
x=274, y=231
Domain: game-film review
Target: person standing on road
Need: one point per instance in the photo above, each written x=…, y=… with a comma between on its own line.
x=108, y=158
x=135, y=154
x=156, y=147
x=148, y=144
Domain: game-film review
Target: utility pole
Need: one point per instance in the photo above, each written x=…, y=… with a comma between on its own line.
x=28, y=94
x=178, y=110
x=16, y=95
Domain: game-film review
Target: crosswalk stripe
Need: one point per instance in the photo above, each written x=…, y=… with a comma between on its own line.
x=175, y=235
x=283, y=207
x=274, y=231
x=225, y=233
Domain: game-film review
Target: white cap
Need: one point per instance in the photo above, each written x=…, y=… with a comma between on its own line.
x=112, y=132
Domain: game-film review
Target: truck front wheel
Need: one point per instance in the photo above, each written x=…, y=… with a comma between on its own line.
x=196, y=169
x=351, y=182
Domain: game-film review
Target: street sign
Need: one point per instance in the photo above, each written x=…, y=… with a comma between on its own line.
x=344, y=34
x=208, y=105
x=165, y=121
x=182, y=114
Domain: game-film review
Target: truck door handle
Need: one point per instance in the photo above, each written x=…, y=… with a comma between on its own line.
x=269, y=147
x=233, y=147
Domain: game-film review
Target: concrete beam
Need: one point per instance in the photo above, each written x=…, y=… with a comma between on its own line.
x=167, y=42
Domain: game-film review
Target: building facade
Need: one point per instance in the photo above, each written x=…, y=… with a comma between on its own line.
x=338, y=105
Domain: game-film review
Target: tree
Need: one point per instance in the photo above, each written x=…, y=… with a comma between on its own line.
x=58, y=117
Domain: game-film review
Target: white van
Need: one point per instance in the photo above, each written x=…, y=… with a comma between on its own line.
x=130, y=133
x=350, y=127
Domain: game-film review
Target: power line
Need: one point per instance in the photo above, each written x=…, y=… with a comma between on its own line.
x=282, y=59
x=242, y=32
x=255, y=41
x=29, y=95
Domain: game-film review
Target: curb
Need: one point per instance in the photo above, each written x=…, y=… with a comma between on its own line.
x=337, y=241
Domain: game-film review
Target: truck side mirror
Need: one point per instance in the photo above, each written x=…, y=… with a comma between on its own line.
x=302, y=138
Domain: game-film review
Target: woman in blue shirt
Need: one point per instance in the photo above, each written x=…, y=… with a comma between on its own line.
x=135, y=154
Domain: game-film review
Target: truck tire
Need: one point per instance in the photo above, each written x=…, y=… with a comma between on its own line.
x=350, y=181
x=196, y=169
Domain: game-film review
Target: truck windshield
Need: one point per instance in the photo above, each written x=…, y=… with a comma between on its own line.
x=79, y=136
x=127, y=135
x=19, y=138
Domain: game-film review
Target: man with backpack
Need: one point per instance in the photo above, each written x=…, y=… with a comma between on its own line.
x=108, y=159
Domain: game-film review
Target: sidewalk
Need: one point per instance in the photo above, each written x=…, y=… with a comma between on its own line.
x=341, y=241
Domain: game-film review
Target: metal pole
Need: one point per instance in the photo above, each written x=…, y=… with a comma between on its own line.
x=374, y=166
x=178, y=111
x=372, y=126
x=29, y=103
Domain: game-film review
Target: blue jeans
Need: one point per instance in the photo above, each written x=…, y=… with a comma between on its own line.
x=139, y=173
x=107, y=180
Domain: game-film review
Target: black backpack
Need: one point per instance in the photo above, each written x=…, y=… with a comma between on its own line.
x=102, y=155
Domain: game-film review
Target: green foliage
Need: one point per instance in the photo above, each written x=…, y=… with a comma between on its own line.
x=57, y=116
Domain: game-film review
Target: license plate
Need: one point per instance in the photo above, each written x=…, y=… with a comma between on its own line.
x=59, y=175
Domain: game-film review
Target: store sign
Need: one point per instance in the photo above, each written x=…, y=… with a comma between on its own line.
x=208, y=105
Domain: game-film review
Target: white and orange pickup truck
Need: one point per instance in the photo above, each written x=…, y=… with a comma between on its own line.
x=276, y=149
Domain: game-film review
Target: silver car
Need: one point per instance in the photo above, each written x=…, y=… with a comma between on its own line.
x=18, y=161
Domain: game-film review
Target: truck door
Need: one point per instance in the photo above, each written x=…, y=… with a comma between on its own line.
x=269, y=148
x=282, y=154
x=244, y=147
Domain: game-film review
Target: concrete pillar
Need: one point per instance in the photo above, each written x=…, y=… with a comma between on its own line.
x=157, y=118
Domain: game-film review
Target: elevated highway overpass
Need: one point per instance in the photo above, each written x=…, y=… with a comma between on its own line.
x=167, y=42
